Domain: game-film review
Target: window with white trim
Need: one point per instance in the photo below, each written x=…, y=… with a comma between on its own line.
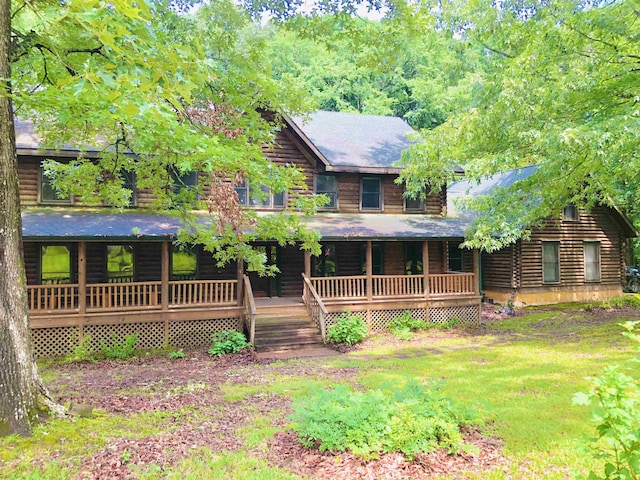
x=592, y=261
x=550, y=262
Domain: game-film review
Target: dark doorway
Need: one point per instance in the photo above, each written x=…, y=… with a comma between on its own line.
x=266, y=286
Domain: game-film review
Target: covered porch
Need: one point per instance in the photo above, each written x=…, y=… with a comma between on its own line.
x=152, y=293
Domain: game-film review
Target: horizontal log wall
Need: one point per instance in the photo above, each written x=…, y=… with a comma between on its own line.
x=596, y=225
x=498, y=269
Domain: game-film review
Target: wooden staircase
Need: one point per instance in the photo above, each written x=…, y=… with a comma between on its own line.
x=285, y=327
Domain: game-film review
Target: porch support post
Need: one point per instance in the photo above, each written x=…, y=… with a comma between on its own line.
x=240, y=278
x=476, y=277
x=82, y=287
x=164, y=279
x=307, y=263
x=369, y=267
x=164, y=289
x=425, y=278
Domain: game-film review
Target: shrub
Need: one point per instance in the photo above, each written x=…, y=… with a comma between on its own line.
x=412, y=419
x=120, y=350
x=617, y=419
x=177, y=354
x=229, y=341
x=632, y=301
x=349, y=328
x=404, y=325
x=81, y=352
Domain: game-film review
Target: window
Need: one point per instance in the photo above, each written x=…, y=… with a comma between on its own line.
x=455, y=257
x=413, y=204
x=592, y=261
x=325, y=263
x=55, y=264
x=120, y=263
x=184, y=263
x=371, y=193
x=413, y=259
x=550, y=262
x=570, y=212
x=129, y=182
x=377, y=259
x=47, y=193
x=328, y=185
x=264, y=199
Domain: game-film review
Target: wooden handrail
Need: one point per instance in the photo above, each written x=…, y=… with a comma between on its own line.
x=354, y=287
x=398, y=286
x=52, y=297
x=250, y=309
x=452, y=284
x=190, y=293
x=316, y=307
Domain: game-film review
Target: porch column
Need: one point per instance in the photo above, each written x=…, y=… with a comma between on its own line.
x=369, y=266
x=164, y=279
x=240, y=278
x=425, y=267
x=82, y=286
x=307, y=263
x=476, y=270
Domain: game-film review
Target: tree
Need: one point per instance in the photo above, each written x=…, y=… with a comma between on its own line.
x=561, y=91
x=165, y=95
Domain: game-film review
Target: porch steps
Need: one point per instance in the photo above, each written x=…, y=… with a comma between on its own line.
x=289, y=331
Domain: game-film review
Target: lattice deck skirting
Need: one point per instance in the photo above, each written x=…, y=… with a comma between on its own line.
x=58, y=341
x=378, y=320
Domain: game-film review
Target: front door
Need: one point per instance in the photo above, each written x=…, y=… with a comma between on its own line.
x=266, y=286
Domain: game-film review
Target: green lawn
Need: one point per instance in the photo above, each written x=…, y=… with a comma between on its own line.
x=521, y=373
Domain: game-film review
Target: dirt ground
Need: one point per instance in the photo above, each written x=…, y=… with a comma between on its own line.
x=198, y=415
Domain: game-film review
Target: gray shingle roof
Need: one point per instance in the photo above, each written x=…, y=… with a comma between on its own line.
x=356, y=140
x=473, y=189
x=53, y=226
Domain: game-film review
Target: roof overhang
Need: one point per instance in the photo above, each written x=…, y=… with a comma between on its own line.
x=95, y=226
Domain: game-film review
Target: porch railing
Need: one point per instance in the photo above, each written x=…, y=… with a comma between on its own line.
x=398, y=285
x=249, y=310
x=314, y=304
x=63, y=297
x=452, y=284
x=340, y=287
x=119, y=296
x=202, y=292
x=393, y=286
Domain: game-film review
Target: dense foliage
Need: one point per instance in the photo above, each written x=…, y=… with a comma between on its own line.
x=616, y=395
x=410, y=419
x=348, y=328
x=404, y=325
x=228, y=341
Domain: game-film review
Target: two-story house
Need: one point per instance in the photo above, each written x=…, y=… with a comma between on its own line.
x=98, y=273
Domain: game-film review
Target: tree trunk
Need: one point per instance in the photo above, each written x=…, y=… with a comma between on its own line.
x=21, y=389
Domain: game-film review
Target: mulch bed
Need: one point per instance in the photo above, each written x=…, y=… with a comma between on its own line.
x=286, y=451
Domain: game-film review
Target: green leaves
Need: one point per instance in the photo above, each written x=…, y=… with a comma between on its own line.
x=348, y=328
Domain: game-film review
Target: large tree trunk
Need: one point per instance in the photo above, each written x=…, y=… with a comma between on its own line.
x=21, y=389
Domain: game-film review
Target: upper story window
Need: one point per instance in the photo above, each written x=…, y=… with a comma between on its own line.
x=371, y=193
x=413, y=204
x=327, y=185
x=264, y=199
x=592, y=261
x=570, y=212
x=48, y=194
x=550, y=262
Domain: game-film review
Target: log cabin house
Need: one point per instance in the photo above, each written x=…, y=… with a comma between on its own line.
x=576, y=256
x=92, y=272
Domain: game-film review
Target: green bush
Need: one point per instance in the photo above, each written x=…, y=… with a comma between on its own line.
x=349, y=328
x=404, y=325
x=81, y=352
x=229, y=341
x=412, y=419
x=120, y=350
x=617, y=419
x=177, y=354
x=632, y=301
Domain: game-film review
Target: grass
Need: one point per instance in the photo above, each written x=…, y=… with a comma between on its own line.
x=521, y=373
